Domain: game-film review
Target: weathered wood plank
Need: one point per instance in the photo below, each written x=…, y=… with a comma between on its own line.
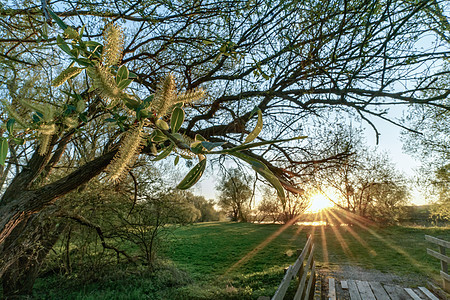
x=396, y=293
x=353, y=290
x=344, y=284
x=364, y=290
x=301, y=286
x=437, y=241
x=444, y=264
x=412, y=294
x=428, y=293
x=312, y=278
x=306, y=250
x=379, y=291
x=282, y=288
x=438, y=255
x=331, y=289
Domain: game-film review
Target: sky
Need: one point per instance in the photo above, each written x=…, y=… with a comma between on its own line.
x=389, y=141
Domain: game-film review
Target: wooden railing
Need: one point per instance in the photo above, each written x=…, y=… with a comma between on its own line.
x=304, y=272
x=445, y=260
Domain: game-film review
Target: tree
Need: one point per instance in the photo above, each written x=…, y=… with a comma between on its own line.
x=235, y=194
x=368, y=185
x=287, y=211
x=296, y=61
x=206, y=207
x=430, y=143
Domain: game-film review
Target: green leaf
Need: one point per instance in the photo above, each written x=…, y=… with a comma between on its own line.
x=196, y=147
x=83, y=117
x=264, y=171
x=57, y=20
x=63, y=45
x=133, y=76
x=193, y=176
x=164, y=153
x=3, y=150
x=253, y=145
x=259, y=125
x=124, y=83
x=209, y=145
x=18, y=141
x=198, y=137
x=177, y=159
x=10, y=125
x=122, y=74
x=158, y=136
x=83, y=62
x=177, y=119
x=162, y=124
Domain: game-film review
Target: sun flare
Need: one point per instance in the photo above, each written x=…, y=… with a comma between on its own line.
x=319, y=202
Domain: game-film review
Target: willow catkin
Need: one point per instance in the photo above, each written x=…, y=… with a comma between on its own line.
x=103, y=80
x=113, y=45
x=46, y=132
x=191, y=96
x=66, y=75
x=130, y=147
x=165, y=96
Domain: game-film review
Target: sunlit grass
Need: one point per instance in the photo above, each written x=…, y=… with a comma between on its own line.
x=245, y=261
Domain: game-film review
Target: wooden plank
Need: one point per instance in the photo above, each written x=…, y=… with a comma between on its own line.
x=311, y=281
x=282, y=288
x=437, y=241
x=331, y=289
x=428, y=293
x=445, y=276
x=344, y=284
x=306, y=250
x=301, y=286
x=438, y=255
x=364, y=290
x=379, y=291
x=353, y=290
x=412, y=294
x=444, y=264
x=396, y=293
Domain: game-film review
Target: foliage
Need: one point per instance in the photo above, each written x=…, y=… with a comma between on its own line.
x=293, y=64
x=235, y=194
x=368, y=184
x=272, y=208
x=396, y=250
x=430, y=143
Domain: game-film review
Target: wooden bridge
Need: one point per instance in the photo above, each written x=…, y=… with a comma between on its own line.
x=307, y=288
x=364, y=290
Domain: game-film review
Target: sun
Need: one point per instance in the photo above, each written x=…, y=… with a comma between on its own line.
x=319, y=202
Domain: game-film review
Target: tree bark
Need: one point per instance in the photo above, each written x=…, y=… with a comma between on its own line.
x=19, y=208
x=31, y=243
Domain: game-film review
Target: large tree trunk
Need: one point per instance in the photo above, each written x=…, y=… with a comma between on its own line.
x=20, y=206
x=31, y=243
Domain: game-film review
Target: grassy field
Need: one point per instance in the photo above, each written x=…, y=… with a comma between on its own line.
x=245, y=261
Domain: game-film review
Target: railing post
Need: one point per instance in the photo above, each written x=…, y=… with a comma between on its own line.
x=444, y=266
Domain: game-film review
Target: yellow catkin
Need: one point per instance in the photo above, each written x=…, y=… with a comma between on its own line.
x=44, y=146
x=46, y=109
x=113, y=45
x=124, y=158
x=191, y=96
x=165, y=96
x=66, y=75
x=105, y=83
x=15, y=115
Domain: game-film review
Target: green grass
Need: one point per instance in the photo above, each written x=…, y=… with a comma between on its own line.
x=244, y=261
